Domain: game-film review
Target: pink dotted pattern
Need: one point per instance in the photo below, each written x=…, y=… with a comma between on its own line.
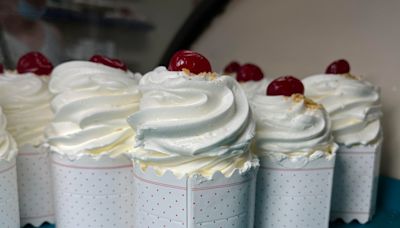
x=355, y=183
x=194, y=202
x=9, y=212
x=35, y=189
x=293, y=198
x=90, y=196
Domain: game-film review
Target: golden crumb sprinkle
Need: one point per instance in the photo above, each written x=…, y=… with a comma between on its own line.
x=186, y=71
x=351, y=76
x=207, y=75
x=297, y=97
x=212, y=75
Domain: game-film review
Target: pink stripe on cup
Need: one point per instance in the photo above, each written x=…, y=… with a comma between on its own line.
x=91, y=168
x=193, y=189
x=8, y=169
x=31, y=154
x=159, y=184
x=291, y=170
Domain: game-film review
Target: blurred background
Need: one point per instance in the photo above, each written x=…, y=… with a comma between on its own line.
x=281, y=36
x=136, y=31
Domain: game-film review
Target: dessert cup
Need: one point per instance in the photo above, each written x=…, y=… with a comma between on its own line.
x=93, y=192
x=26, y=102
x=89, y=139
x=217, y=201
x=297, y=157
x=192, y=163
x=355, y=110
x=9, y=208
x=9, y=211
x=294, y=193
x=35, y=188
x=356, y=182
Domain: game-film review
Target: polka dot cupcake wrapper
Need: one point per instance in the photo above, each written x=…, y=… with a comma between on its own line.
x=9, y=212
x=166, y=201
x=294, y=197
x=93, y=192
x=34, y=186
x=356, y=183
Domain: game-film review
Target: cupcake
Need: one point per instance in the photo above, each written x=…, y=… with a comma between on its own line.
x=250, y=77
x=9, y=212
x=355, y=110
x=90, y=139
x=192, y=164
x=25, y=99
x=297, y=157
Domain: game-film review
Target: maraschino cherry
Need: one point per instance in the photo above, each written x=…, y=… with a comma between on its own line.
x=1, y=68
x=340, y=66
x=232, y=67
x=248, y=72
x=190, y=60
x=34, y=62
x=286, y=86
x=115, y=63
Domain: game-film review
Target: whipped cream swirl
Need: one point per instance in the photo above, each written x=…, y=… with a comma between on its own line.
x=8, y=147
x=91, y=104
x=251, y=88
x=193, y=124
x=290, y=127
x=26, y=102
x=353, y=105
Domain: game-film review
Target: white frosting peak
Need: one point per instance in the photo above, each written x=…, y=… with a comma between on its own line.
x=353, y=105
x=8, y=147
x=91, y=104
x=26, y=102
x=291, y=127
x=192, y=124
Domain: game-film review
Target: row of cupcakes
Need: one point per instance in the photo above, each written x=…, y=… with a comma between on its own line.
x=354, y=110
x=190, y=126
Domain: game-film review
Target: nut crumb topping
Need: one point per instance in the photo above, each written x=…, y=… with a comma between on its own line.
x=297, y=97
x=352, y=76
x=206, y=75
x=186, y=71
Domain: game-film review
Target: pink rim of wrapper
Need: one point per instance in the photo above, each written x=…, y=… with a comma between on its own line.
x=93, y=192
x=166, y=201
x=35, y=188
x=294, y=194
x=9, y=212
x=356, y=183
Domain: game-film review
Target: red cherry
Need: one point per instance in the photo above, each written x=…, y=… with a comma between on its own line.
x=193, y=61
x=286, y=86
x=115, y=63
x=248, y=72
x=232, y=67
x=1, y=68
x=340, y=66
x=34, y=62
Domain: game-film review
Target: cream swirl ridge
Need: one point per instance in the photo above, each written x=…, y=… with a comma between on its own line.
x=251, y=88
x=353, y=105
x=91, y=104
x=26, y=102
x=291, y=127
x=8, y=147
x=192, y=124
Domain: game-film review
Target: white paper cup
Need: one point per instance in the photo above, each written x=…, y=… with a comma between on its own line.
x=9, y=212
x=34, y=186
x=166, y=201
x=356, y=183
x=294, y=194
x=93, y=192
